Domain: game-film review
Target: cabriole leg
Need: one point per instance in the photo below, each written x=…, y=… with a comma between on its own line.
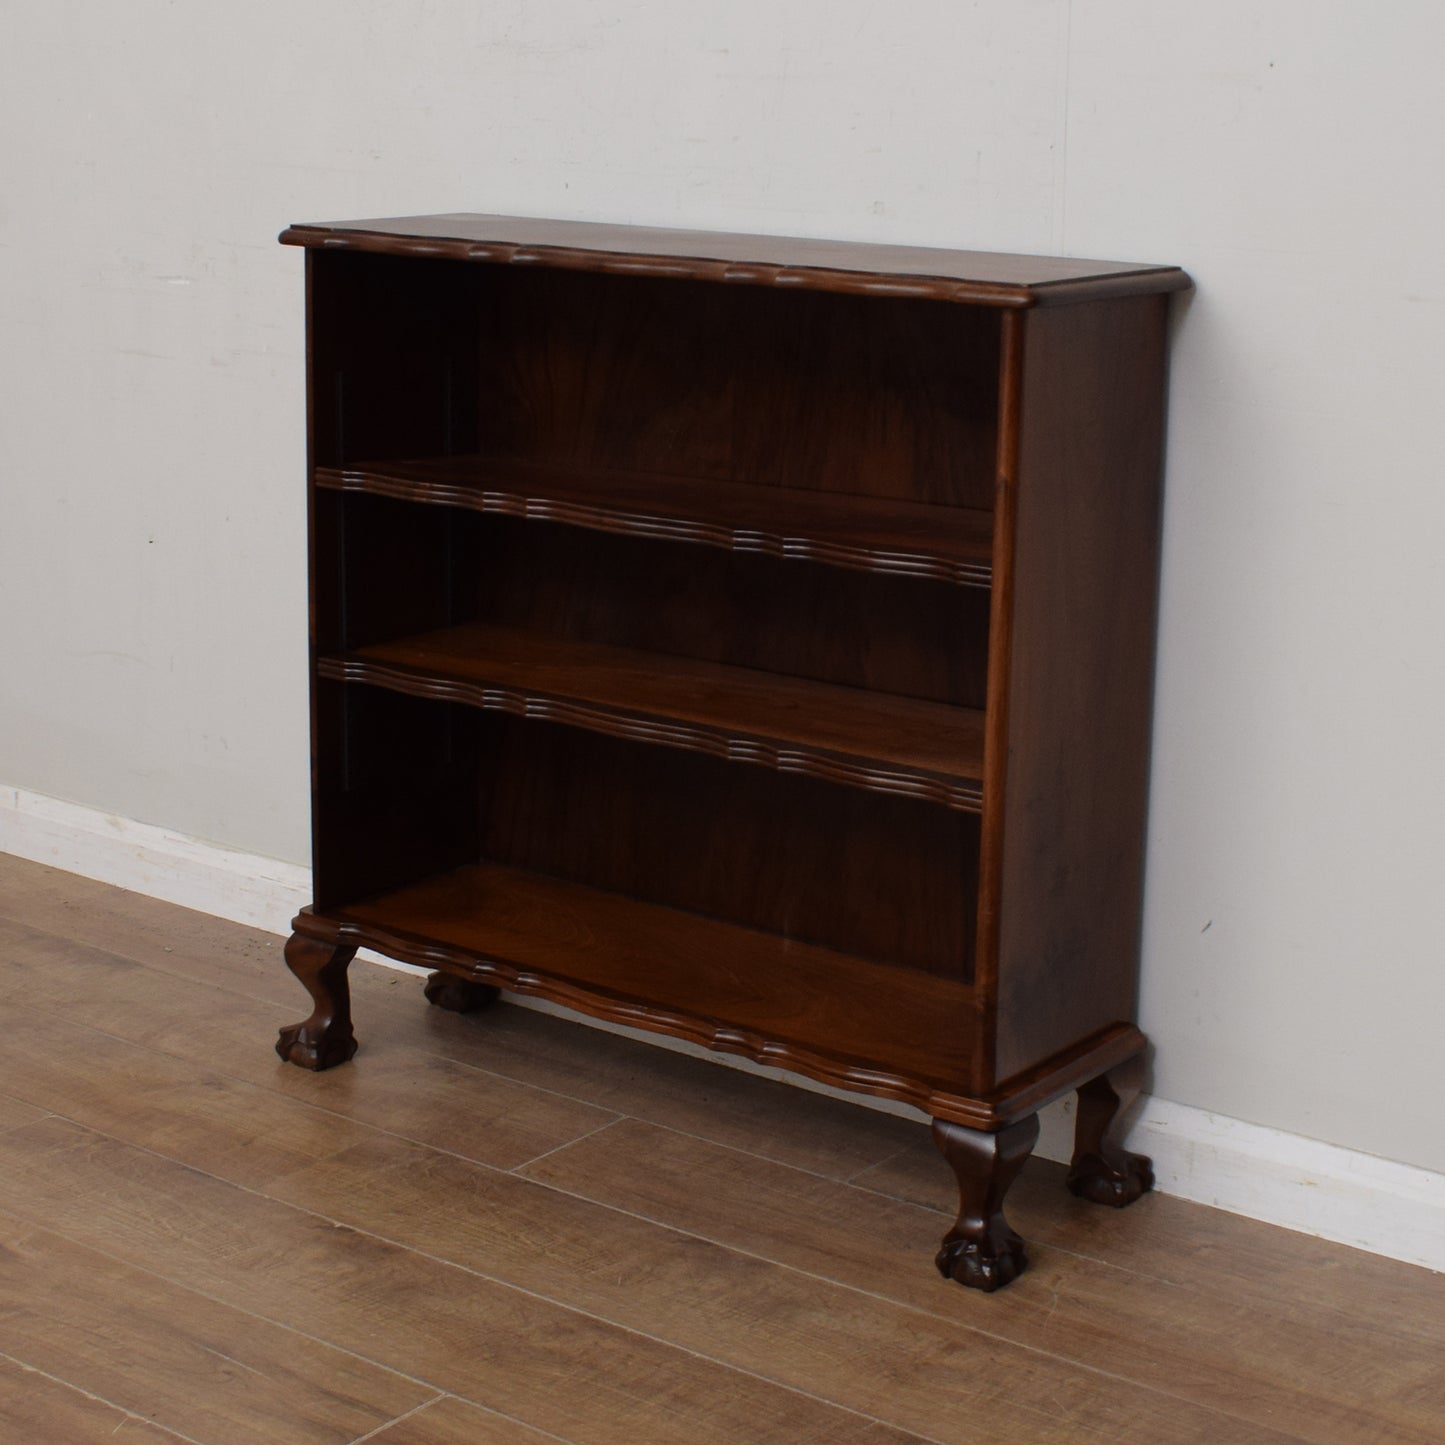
x=325, y=1038
x=1101, y=1171
x=981, y=1251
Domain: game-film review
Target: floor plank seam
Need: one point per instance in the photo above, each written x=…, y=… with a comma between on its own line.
x=397, y=1419
x=127, y=957
x=545, y=1154
x=352, y=1119
x=434, y=1259
x=887, y=1300
x=443, y=1053
x=965, y=1326
x=99, y=1399
x=51, y=1227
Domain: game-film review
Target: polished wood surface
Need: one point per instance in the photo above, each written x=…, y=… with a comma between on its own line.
x=203, y=1244
x=742, y=991
x=951, y=544
x=785, y=261
x=869, y=740
x=598, y=512
x=1082, y=589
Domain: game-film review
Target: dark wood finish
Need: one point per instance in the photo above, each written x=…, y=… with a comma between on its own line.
x=325, y=1038
x=982, y=277
x=866, y=740
x=598, y=512
x=459, y=995
x=1101, y=1171
x=981, y=1251
x=1082, y=613
x=949, y=544
x=742, y=991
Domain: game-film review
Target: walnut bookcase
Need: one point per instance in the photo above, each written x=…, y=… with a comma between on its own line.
x=748, y=639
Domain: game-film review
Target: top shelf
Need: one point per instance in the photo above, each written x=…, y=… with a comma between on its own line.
x=868, y=534
x=977, y=277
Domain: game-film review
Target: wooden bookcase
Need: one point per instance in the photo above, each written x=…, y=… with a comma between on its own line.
x=749, y=639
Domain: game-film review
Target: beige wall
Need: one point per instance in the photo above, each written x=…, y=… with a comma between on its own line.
x=1287, y=152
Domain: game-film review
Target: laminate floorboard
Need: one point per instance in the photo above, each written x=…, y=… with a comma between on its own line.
x=181, y=1360
x=36, y=1408
x=507, y=1227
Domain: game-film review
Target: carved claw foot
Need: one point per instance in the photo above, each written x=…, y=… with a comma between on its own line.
x=981, y=1251
x=459, y=995
x=297, y=1045
x=1116, y=1181
x=325, y=1039
x=976, y=1266
x=1101, y=1171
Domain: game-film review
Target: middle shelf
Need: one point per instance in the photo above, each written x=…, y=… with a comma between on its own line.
x=877, y=741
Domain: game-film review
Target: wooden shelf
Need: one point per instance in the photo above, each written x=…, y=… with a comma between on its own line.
x=868, y=740
x=838, y=1018
x=949, y=544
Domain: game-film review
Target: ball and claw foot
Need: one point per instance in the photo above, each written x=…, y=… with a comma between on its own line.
x=977, y=1266
x=981, y=1251
x=459, y=995
x=1116, y=1181
x=298, y=1045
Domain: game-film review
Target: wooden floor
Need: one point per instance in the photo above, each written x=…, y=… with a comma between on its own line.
x=507, y=1228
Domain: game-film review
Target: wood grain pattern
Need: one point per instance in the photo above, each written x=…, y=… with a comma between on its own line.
x=1260, y=1362
x=449, y=1421
x=202, y=1369
x=887, y=744
x=1177, y=1322
x=1081, y=673
x=949, y=544
x=745, y=992
x=805, y=392
x=34, y=1407
x=867, y=874
x=261, y=1119
x=783, y=261
x=554, y=1367
x=935, y=1370
x=14, y=1114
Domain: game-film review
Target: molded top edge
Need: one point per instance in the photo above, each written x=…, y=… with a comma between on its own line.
x=990, y=278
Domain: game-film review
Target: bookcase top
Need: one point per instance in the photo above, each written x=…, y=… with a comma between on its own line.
x=979, y=277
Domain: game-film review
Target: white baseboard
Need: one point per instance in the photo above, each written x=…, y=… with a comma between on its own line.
x=1302, y=1184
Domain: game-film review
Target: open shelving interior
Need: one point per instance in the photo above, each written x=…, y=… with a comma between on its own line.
x=585, y=543
x=868, y=740
x=744, y=990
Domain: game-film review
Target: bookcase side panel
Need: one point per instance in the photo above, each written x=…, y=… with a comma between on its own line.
x=1080, y=667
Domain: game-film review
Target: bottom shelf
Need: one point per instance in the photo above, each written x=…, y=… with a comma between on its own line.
x=840, y=1019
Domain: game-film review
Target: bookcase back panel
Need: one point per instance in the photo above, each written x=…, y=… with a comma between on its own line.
x=393, y=568
x=908, y=636
x=892, y=398
x=882, y=878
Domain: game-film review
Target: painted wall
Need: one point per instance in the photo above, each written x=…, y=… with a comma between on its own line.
x=1287, y=152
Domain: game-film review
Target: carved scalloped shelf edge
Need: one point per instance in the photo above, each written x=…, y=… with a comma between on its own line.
x=683, y=268
x=1018, y=1097
x=858, y=558
x=964, y=795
